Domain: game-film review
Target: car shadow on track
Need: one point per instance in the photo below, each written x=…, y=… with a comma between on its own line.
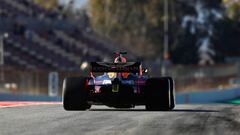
x=128, y=110
x=193, y=110
x=143, y=110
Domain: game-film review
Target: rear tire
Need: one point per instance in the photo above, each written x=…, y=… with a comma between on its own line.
x=172, y=92
x=75, y=94
x=160, y=94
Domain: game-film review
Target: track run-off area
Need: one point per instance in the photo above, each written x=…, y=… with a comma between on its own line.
x=44, y=118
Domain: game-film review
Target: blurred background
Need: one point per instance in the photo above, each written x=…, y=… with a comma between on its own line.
x=43, y=41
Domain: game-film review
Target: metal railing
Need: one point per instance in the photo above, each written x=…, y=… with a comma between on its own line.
x=187, y=78
x=28, y=81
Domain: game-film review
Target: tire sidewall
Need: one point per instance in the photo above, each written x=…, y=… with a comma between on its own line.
x=160, y=94
x=75, y=93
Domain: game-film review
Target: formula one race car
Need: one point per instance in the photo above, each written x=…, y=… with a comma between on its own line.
x=121, y=84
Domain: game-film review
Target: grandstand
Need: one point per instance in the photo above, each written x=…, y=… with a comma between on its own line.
x=48, y=39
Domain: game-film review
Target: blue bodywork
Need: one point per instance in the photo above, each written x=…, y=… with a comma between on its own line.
x=106, y=80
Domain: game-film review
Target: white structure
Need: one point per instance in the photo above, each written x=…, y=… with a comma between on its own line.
x=53, y=84
x=203, y=22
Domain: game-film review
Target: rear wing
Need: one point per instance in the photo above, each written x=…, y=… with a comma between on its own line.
x=132, y=67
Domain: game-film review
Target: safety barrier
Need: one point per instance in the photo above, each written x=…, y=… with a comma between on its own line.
x=212, y=96
x=17, y=97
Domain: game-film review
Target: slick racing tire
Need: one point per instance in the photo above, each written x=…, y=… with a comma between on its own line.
x=160, y=94
x=75, y=94
x=172, y=92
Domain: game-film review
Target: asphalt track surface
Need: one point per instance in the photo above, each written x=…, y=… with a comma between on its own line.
x=51, y=119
